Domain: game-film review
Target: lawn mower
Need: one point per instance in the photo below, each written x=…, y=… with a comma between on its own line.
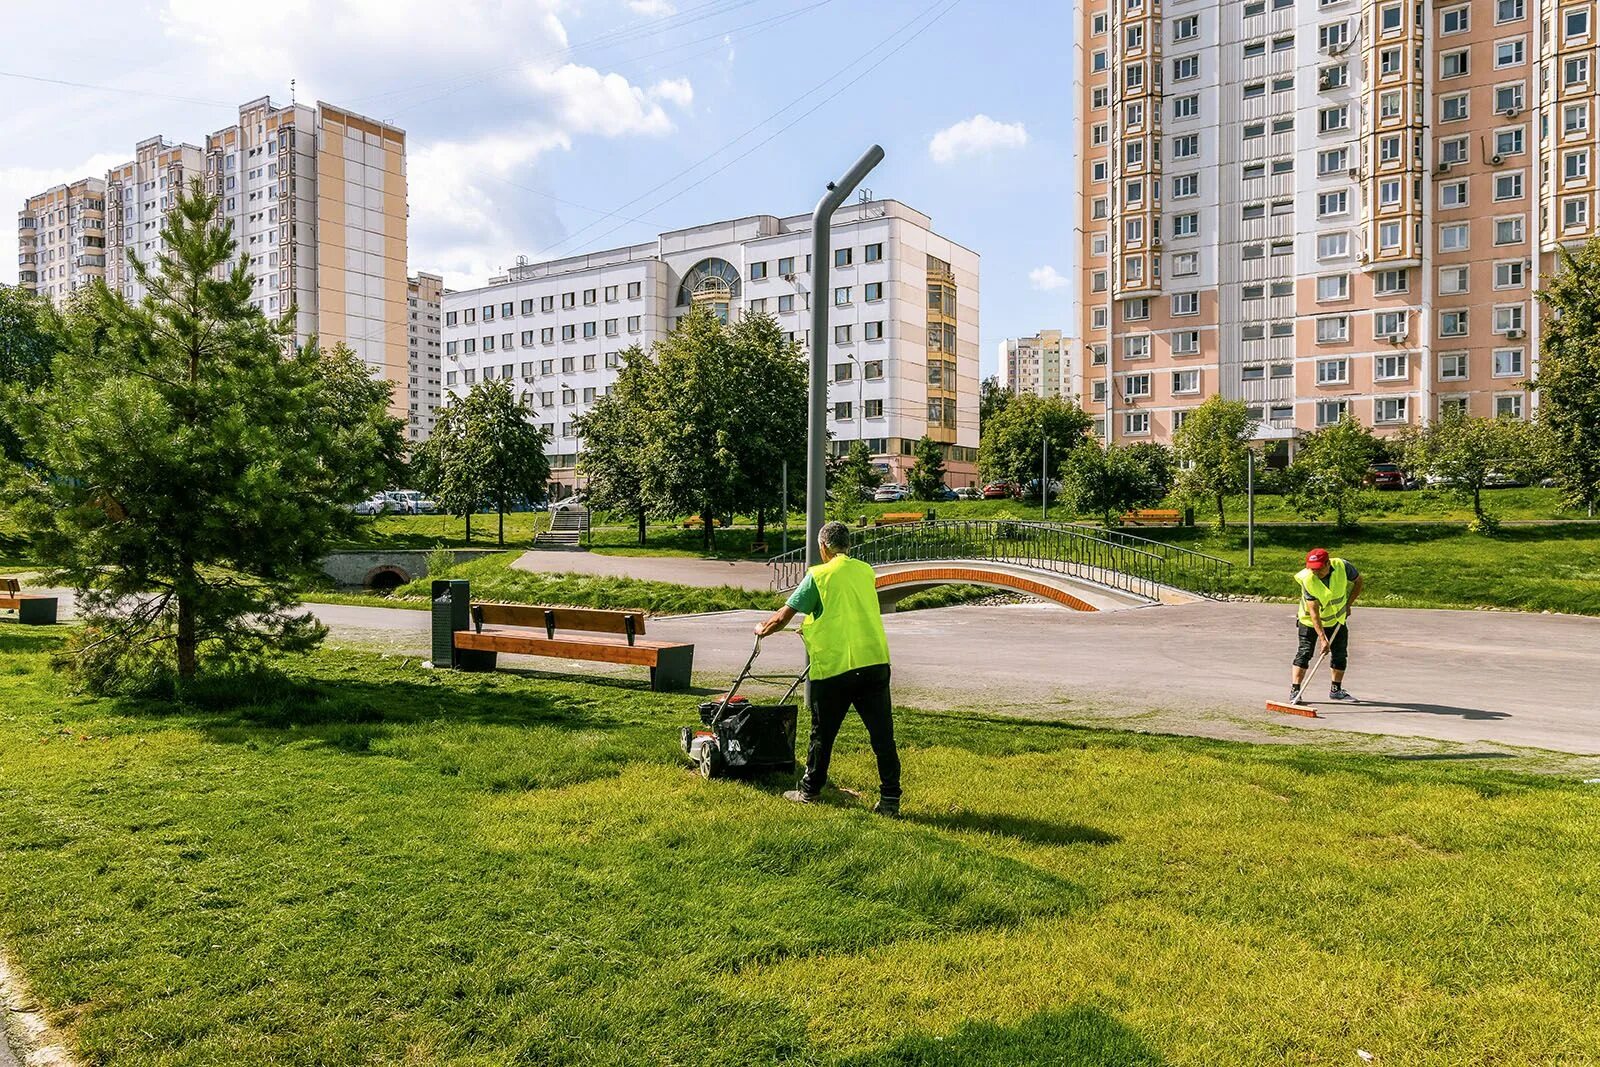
x=741, y=739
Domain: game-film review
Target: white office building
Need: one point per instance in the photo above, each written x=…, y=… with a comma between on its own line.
x=903, y=353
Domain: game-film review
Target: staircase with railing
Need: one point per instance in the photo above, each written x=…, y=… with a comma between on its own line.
x=568, y=527
x=1109, y=558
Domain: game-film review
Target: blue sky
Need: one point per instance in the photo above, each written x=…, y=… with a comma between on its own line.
x=543, y=127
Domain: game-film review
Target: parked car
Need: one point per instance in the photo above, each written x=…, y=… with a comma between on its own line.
x=1502, y=480
x=890, y=492
x=944, y=492
x=999, y=491
x=409, y=502
x=969, y=492
x=1389, y=476
x=376, y=504
x=571, y=503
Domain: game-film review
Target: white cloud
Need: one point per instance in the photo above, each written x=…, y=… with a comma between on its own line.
x=652, y=8
x=676, y=91
x=1046, y=278
x=586, y=101
x=976, y=136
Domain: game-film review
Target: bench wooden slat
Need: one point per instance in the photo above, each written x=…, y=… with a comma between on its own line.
x=588, y=620
x=522, y=642
x=10, y=586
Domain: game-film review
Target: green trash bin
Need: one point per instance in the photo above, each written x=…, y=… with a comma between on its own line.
x=452, y=611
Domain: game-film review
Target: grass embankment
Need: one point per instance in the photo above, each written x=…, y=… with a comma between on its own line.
x=430, y=531
x=493, y=578
x=1526, y=568
x=380, y=864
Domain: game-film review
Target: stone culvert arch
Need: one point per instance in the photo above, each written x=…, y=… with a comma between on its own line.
x=386, y=578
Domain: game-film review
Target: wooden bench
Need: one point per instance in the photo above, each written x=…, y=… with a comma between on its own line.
x=694, y=522
x=573, y=633
x=1153, y=517
x=896, y=518
x=34, y=609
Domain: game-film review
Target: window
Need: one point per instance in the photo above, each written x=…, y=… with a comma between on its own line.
x=1389, y=368
x=1452, y=366
x=1575, y=120
x=1333, y=287
x=1508, y=231
x=488, y=343
x=844, y=372
x=1453, y=64
x=1452, y=150
x=1186, y=343
x=1453, y=237
x=841, y=334
x=611, y=324
x=1508, y=98
x=1389, y=325
x=841, y=295
x=1453, y=322
x=1508, y=186
x=873, y=409
x=611, y=294
x=1333, y=371
x=1186, y=107
x=872, y=291
x=1508, y=10
x=1186, y=303
x=1453, y=194
x=1185, y=185
x=547, y=303
x=1255, y=373
x=1574, y=212
x=843, y=257
x=1453, y=108
x=589, y=330
x=569, y=333
x=613, y=360
x=1186, y=28
x=1332, y=161
x=1333, y=118
x=1185, y=67
x=1508, y=274
x=1508, y=363
x=1508, y=406
x=872, y=369
x=1508, y=142
x=758, y=271
x=873, y=253
x=633, y=323
x=1186, y=147
x=1389, y=409
x=1388, y=149
x=1389, y=19
x=1136, y=385
x=527, y=338
x=873, y=331
x=469, y=316
x=1333, y=245
x=1135, y=310
x=1575, y=166
x=1331, y=411
x=1255, y=49
x=1186, y=225
x=1333, y=329
x=1508, y=318
x=1185, y=264
x=1136, y=423
x=569, y=300
x=1389, y=282
x=547, y=366
x=1389, y=104
x=1186, y=381
x=568, y=364
x=547, y=335
x=1575, y=71
x=1136, y=346
x=634, y=289
x=1389, y=192
x=1510, y=53
x=1576, y=22
x=1455, y=20
x=527, y=306
x=1255, y=89
x=1333, y=35
x=1134, y=35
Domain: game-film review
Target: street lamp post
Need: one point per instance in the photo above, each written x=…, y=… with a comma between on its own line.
x=817, y=416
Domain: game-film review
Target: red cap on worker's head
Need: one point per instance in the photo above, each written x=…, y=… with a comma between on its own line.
x=1317, y=558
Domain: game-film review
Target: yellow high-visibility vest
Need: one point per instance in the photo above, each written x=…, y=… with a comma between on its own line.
x=1332, y=596
x=849, y=632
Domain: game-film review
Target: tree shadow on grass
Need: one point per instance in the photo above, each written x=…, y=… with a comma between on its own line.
x=1018, y=827
x=1079, y=1035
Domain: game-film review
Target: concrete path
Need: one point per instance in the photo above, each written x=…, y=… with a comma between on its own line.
x=679, y=570
x=1467, y=677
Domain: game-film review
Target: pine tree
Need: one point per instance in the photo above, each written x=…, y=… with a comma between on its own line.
x=927, y=470
x=613, y=433
x=193, y=467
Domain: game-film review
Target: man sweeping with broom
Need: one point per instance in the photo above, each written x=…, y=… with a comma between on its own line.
x=1329, y=587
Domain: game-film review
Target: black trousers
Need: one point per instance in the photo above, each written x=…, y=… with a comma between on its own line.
x=867, y=690
x=1308, y=646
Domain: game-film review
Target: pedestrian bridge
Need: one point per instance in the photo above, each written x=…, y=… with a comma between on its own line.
x=1084, y=568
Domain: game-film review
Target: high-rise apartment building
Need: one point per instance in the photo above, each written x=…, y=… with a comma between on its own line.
x=424, y=352
x=1324, y=207
x=903, y=355
x=61, y=238
x=1041, y=365
x=317, y=200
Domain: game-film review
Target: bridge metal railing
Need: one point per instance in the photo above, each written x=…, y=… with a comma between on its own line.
x=1111, y=558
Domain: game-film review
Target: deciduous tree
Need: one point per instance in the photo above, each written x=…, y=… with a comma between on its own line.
x=1465, y=452
x=1012, y=445
x=614, y=431
x=1330, y=469
x=1110, y=480
x=1211, y=448
x=486, y=449
x=1569, y=375
x=926, y=479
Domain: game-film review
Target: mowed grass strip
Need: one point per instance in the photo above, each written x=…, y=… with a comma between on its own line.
x=371, y=863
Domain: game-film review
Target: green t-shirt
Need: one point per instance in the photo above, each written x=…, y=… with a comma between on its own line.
x=805, y=599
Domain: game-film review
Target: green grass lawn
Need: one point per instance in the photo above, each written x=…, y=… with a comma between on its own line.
x=376, y=864
x=1527, y=568
x=428, y=531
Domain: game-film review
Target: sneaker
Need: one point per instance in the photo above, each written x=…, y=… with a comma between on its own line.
x=799, y=796
x=887, y=806
x=1338, y=693
x=1294, y=694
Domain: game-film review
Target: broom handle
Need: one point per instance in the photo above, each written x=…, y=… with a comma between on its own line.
x=1320, y=657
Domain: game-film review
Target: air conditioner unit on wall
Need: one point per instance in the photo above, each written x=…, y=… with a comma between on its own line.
x=1396, y=338
x=1442, y=168
x=1515, y=335
x=1496, y=160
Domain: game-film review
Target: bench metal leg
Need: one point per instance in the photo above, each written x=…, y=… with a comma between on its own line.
x=673, y=668
x=37, y=611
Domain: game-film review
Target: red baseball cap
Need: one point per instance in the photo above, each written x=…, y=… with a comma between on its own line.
x=1317, y=558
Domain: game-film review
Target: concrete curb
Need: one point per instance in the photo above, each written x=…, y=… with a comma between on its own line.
x=26, y=1040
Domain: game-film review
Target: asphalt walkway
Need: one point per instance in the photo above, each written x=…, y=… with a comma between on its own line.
x=1466, y=677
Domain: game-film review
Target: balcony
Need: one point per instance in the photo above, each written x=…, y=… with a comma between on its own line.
x=27, y=259
x=27, y=224
x=89, y=261
x=28, y=277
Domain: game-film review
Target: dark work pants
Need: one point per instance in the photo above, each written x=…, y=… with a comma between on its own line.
x=867, y=690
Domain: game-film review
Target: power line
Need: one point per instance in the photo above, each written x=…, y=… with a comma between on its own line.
x=112, y=89
x=885, y=57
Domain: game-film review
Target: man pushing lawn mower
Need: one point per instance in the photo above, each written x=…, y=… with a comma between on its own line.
x=1329, y=587
x=849, y=656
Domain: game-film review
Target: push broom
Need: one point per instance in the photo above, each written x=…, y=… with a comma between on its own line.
x=1305, y=709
